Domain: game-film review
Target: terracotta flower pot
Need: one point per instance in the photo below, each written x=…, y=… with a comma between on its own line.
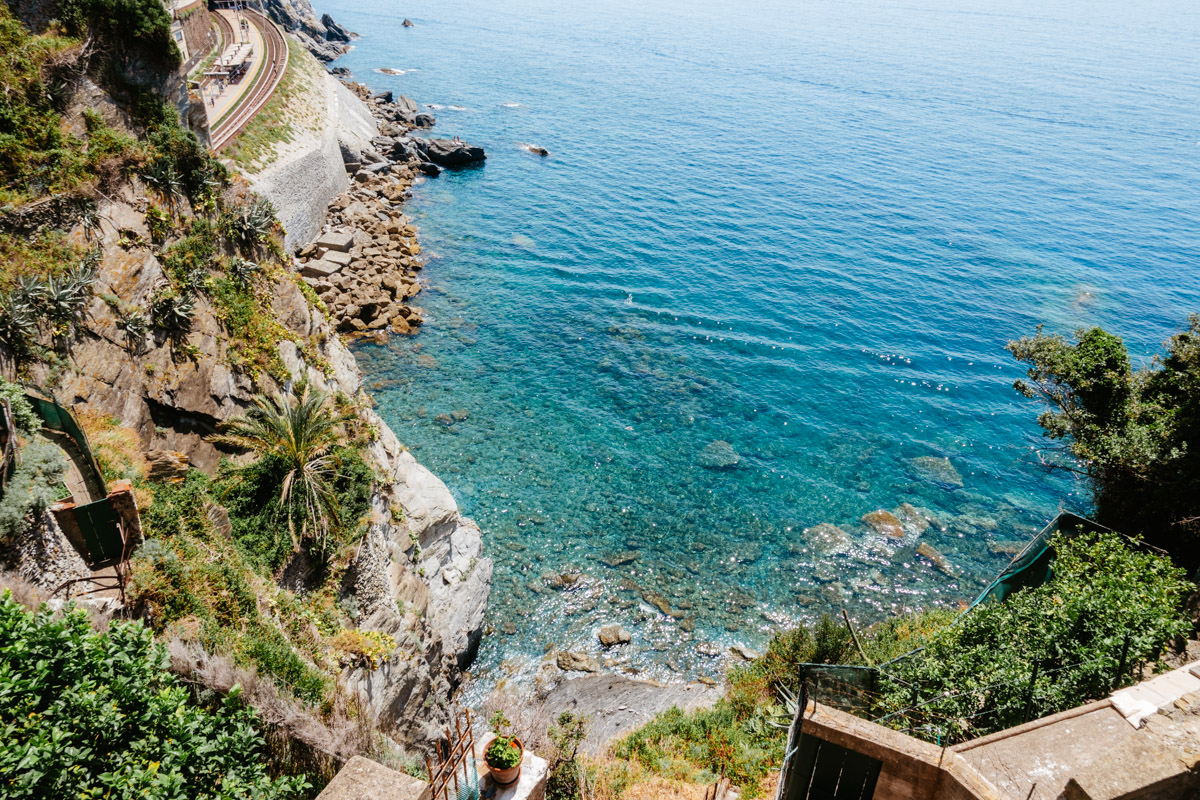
x=507, y=777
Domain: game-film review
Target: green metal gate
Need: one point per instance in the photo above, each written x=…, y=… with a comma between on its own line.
x=101, y=529
x=821, y=770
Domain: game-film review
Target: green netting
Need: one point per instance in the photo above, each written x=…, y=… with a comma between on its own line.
x=57, y=418
x=1033, y=566
x=101, y=531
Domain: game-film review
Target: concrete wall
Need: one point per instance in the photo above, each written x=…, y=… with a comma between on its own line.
x=912, y=769
x=308, y=175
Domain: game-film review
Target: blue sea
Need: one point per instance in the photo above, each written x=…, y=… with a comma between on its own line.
x=806, y=229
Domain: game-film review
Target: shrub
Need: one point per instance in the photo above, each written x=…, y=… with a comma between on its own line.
x=703, y=745
x=366, y=649
x=93, y=714
x=1131, y=432
x=1045, y=649
x=34, y=486
x=260, y=524
x=566, y=778
x=23, y=415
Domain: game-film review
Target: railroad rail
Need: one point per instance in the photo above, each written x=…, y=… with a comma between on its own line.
x=266, y=79
x=226, y=32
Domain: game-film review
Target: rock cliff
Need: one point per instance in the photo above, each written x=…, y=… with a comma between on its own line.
x=420, y=573
x=323, y=37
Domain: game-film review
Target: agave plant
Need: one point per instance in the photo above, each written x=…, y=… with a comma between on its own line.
x=29, y=289
x=162, y=179
x=18, y=320
x=250, y=224
x=172, y=310
x=135, y=325
x=241, y=271
x=302, y=431
x=89, y=220
x=63, y=297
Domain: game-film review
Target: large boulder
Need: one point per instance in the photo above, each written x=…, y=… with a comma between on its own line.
x=451, y=154
x=333, y=31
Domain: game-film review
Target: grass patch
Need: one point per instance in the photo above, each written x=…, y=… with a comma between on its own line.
x=198, y=584
x=294, y=106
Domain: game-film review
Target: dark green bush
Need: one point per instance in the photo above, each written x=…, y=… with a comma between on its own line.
x=260, y=527
x=132, y=32
x=89, y=714
x=1133, y=432
x=1042, y=650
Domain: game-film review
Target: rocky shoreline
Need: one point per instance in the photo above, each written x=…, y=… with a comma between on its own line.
x=365, y=266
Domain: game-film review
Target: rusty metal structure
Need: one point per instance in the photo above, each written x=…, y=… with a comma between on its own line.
x=455, y=775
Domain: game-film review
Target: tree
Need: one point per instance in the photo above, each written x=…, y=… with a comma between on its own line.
x=99, y=714
x=301, y=431
x=566, y=773
x=1135, y=434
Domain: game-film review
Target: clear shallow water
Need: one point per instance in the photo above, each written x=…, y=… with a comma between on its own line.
x=807, y=229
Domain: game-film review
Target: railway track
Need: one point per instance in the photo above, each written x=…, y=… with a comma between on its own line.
x=266, y=79
x=226, y=32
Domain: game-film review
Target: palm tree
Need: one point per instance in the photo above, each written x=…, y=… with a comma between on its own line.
x=302, y=431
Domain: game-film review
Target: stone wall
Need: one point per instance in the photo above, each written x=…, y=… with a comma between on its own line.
x=306, y=176
x=198, y=35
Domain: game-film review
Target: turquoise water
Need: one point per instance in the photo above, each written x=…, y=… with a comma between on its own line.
x=804, y=228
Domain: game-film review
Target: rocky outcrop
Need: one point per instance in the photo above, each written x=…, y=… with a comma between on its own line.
x=323, y=37
x=617, y=705
x=450, y=153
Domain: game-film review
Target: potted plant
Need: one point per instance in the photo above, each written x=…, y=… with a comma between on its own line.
x=505, y=753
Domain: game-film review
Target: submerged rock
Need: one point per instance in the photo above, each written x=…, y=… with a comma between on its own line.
x=827, y=539
x=620, y=559
x=719, y=455
x=913, y=518
x=884, y=523
x=937, y=470
x=934, y=556
x=743, y=652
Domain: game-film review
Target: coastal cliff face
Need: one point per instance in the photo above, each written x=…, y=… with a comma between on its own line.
x=419, y=573
x=323, y=37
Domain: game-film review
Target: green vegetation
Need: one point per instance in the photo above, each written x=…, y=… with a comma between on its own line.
x=567, y=774
x=1045, y=649
x=98, y=714
x=297, y=439
x=136, y=33
x=23, y=414
x=193, y=581
x=1110, y=604
x=33, y=487
x=35, y=310
x=1133, y=433
x=703, y=745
